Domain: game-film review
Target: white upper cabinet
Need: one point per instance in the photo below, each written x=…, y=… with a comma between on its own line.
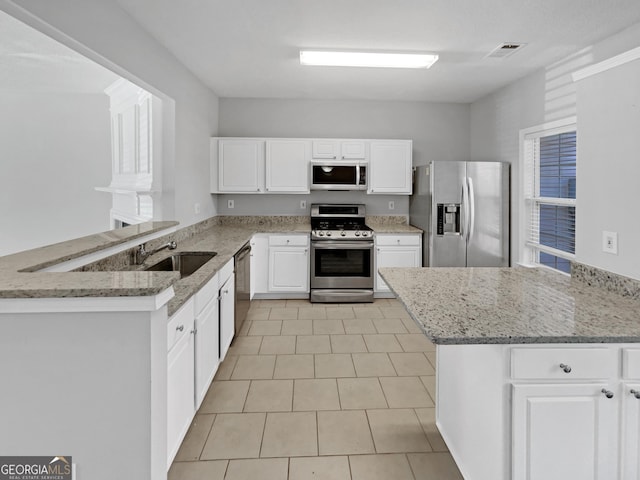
x=390, y=167
x=327, y=149
x=287, y=166
x=240, y=165
x=282, y=165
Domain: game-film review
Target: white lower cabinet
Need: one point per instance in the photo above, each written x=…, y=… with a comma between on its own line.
x=207, y=339
x=280, y=265
x=227, y=315
x=259, y=264
x=289, y=263
x=396, y=250
x=541, y=412
x=180, y=377
x=198, y=337
x=563, y=431
x=630, y=431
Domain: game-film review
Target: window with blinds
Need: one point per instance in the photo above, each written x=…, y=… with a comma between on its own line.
x=550, y=197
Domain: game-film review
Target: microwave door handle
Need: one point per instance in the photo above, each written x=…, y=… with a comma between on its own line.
x=357, y=175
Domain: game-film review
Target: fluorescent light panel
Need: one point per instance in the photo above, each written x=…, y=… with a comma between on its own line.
x=367, y=59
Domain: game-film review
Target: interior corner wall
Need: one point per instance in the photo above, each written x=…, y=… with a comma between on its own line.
x=440, y=131
x=548, y=94
x=55, y=148
x=108, y=35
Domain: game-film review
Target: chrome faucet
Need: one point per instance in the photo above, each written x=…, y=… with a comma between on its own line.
x=141, y=253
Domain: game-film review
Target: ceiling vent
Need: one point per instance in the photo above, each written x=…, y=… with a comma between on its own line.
x=505, y=50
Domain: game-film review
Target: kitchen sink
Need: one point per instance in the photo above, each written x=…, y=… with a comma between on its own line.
x=184, y=262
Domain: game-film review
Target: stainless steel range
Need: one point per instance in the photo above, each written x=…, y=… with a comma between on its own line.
x=341, y=254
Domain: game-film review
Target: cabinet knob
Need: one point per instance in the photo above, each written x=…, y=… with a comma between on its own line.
x=194, y=331
x=565, y=368
x=607, y=393
x=635, y=393
x=180, y=328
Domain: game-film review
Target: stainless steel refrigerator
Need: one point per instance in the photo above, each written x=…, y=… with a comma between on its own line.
x=463, y=208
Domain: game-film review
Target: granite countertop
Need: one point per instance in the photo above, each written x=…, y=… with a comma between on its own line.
x=20, y=276
x=390, y=224
x=512, y=305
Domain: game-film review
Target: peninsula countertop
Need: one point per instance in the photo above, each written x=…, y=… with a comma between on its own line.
x=512, y=305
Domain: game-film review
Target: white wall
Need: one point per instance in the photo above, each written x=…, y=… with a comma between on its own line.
x=544, y=96
x=440, y=131
x=105, y=33
x=609, y=171
x=54, y=149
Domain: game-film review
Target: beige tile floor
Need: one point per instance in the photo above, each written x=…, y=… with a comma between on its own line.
x=323, y=392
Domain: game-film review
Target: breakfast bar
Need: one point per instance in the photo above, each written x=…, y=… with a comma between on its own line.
x=538, y=373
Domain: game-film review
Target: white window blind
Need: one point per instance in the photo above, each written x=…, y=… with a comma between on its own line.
x=550, y=196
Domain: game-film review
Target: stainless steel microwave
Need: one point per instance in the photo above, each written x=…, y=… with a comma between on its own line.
x=332, y=175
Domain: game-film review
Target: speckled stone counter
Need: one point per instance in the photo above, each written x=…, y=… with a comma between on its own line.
x=390, y=224
x=512, y=305
x=115, y=277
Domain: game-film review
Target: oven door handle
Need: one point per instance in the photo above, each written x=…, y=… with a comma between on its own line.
x=334, y=245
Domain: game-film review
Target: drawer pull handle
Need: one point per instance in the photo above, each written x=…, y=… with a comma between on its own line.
x=565, y=368
x=607, y=393
x=180, y=328
x=635, y=393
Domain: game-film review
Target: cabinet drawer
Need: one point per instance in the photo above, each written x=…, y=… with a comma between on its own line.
x=225, y=272
x=289, y=240
x=180, y=324
x=402, y=240
x=205, y=294
x=579, y=363
x=631, y=363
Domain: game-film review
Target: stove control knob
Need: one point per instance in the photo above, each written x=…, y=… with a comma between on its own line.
x=321, y=234
x=365, y=234
x=358, y=233
x=343, y=233
x=328, y=234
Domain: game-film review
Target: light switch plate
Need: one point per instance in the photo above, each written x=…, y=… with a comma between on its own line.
x=303, y=204
x=610, y=242
x=392, y=205
x=230, y=204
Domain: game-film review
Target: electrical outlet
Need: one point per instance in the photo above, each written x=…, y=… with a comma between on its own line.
x=230, y=204
x=196, y=208
x=610, y=242
x=303, y=204
x=392, y=205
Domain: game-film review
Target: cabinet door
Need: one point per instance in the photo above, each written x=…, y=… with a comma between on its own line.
x=352, y=150
x=395, y=257
x=390, y=167
x=287, y=166
x=563, y=431
x=259, y=264
x=288, y=269
x=227, y=315
x=180, y=390
x=207, y=345
x=324, y=149
x=240, y=165
x=630, y=431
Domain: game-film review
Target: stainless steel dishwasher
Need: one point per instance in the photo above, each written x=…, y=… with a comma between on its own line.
x=243, y=285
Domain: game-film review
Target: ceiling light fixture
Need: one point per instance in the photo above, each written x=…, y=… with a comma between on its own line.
x=367, y=59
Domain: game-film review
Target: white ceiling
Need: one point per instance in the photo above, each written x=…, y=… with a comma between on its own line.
x=33, y=62
x=249, y=48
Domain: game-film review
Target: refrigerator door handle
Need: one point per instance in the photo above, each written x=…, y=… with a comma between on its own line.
x=472, y=209
x=465, y=212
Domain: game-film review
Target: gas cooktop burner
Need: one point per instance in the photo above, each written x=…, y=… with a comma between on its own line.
x=339, y=222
